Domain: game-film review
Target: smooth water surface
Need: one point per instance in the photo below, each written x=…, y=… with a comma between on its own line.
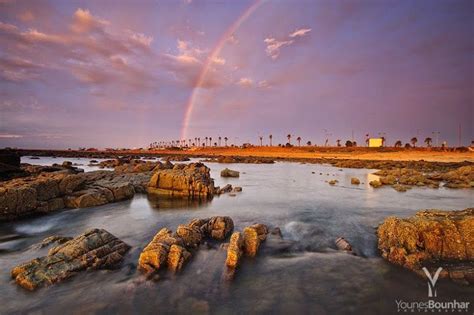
x=310, y=277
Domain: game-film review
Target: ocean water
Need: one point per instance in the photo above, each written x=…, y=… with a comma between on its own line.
x=307, y=275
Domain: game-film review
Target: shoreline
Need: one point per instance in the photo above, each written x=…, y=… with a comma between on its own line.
x=293, y=154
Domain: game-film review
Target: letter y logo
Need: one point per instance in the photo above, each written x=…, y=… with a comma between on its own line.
x=432, y=281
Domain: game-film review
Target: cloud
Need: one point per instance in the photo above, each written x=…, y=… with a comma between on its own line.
x=245, y=82
x=84, y=21
x=300, y=32
x=26, y=16
x=274, y=46
x=17, y=69
x=10, y=136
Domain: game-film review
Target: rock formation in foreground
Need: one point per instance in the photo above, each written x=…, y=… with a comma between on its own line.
x=192, y=180
x=174, y=250
x=95, y=249
x=432, y=239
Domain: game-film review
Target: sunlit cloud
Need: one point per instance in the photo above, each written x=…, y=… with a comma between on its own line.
x=274, y=46
x=245, y=82
x=300, y=32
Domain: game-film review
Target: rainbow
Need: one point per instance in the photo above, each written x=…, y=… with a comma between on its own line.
x=212, y=55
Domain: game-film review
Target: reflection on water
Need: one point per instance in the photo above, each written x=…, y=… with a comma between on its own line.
x=304, y=275
x=166, y=202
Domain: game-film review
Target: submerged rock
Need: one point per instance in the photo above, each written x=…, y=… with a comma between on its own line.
x=95, y=249
x=355, y=181
x=229, y=173
x=431, y=237
x=192, y=180
x=375, y=183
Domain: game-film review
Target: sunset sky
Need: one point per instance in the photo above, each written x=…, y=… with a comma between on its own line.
x=126, y=73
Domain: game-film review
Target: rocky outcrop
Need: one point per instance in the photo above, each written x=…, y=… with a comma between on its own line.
x=229, y=173
x=431, y=237
x=95, y=249
x=140, y=166
x=51, y=191
x=173, y=250
x=192, y=180
x=235, y=250
x=254, y=235
x=10, y=165
x=177, y=158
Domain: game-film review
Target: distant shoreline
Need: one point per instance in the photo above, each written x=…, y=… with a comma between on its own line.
x=296, y=154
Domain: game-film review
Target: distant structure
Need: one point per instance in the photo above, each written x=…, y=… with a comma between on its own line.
x=375, y=142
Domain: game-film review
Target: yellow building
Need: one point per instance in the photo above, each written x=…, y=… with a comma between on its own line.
x=375, y=142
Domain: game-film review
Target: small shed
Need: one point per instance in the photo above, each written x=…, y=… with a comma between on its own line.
x=375, y=142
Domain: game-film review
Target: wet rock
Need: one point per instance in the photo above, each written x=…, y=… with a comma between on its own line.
x=235, y=250
x=401, y=188
x=253, y=236
x=95, y=249
x=178, y=158
x=355, y=181
x=431, y=237
x=237, y=189
x=226, y=189
x=333, y=182
x=53, y=239
x=192, y=180
x=190, y=234
x=219, y=228
x=155, y=255
x=177, y=257
x=375, y=183
x=229, y=173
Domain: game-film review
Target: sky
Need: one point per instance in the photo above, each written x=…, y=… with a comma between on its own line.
x=127, y=73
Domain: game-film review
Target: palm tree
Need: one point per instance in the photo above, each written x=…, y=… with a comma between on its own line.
x=299, y=141
x=225, y=140
x=271, y=137
x=367, y=139
x=261, y=141
x=195, y=140
x=413, y=141
x=428, y=142
x=338, y=142
x=210, y=141
x=398, y=144
x=220, y=138
x=289, y=138
x=206, y=138
x=199, y=141
x=308, y=143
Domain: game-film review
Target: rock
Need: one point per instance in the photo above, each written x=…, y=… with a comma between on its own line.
x=191, y=235
x=431, y=237
x=219, y=228
x=235, y=250
x=229, y=173
x=333, y=182
x=237, y=189
x=192, y=180
x=155, y=255
x=95, y=249
x=401, y=188
x=344, y=245
x=52, y=239
x=177, y=257
x=375, y=183
x=178, y=158
x=226, y=189
x=355, y=181
x=67, y=164
x=253, y=236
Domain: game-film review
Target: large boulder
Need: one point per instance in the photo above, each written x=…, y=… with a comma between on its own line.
x=95, y=249
x=229, y=173
x=219, y=227
x=192, y=180
x=444, y=238
x=235, y=250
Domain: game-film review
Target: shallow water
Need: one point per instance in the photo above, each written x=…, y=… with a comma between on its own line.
x=310, y=277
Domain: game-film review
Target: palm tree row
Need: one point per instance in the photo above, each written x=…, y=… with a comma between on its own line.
x=207, y=142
